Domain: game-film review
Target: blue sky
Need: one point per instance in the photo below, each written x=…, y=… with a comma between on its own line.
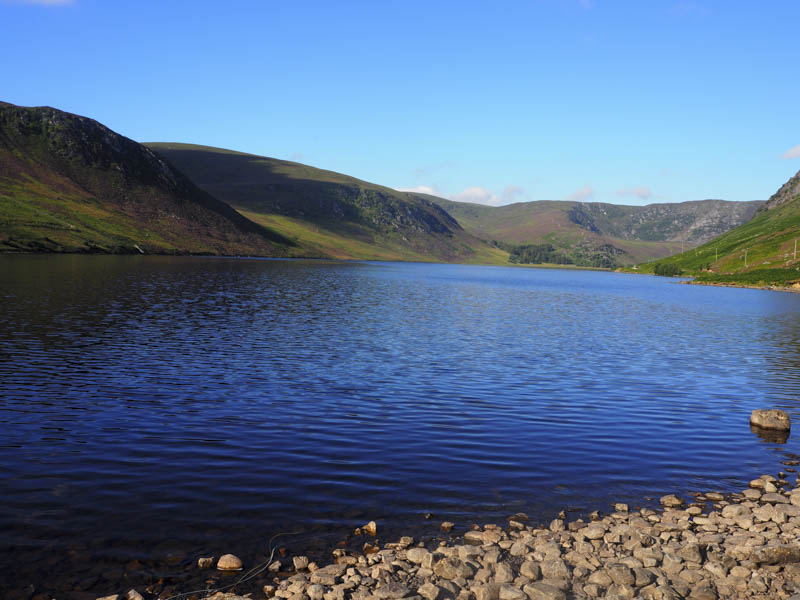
x=629, y=102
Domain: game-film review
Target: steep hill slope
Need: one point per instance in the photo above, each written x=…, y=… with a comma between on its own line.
x=327, y=213
x=763, y=250
x=70, y=184
x=592, y=231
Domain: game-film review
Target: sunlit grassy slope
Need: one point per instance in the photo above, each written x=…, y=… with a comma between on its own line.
x=329, y=214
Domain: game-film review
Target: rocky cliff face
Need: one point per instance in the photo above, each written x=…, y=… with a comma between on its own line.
x=695, y=222
x=788, y=192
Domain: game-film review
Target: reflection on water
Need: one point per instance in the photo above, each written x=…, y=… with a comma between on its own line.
x=163, y=406
x=773, y=436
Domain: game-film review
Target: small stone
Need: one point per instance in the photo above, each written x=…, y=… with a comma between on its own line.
x=371, y=528
x=300, y=562
x=594, y=531
x=134, y=595
x=429, y=591
x=671, y=501
x=620, y=507
x=530, y=570
x=774, y=498
x=391, y=591
x=315, y=591
x=509, y=592
x=229, y=562
x=771, y=418
x=111, y=597
x=447, y=526
x=205, y=562
x=416, y=555
x=487, y=591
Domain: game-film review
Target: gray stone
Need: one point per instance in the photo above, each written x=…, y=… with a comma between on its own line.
x=315, y=591
x=774, y=498
x=503, y=573
x=621, y=575
x=229, y=562
x=392, y=591
x=594, y=531
x=555, y=568
x=771, y=418
x=451, y=568
x=430, y=591
x=416, y=555
x=530, y=570
x=543, y=591
x=509, y=592
x=776, y=555
x=487, y=591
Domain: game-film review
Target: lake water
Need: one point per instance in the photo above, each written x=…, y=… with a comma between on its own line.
x=157, y=409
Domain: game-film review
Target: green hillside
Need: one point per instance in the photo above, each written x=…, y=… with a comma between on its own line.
x=329, y=214
x=599, y=234
x=762, y=251
x=69, y=184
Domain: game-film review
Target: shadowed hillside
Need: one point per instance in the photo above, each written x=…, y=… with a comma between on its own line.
x=70, y=184
x=327, y=213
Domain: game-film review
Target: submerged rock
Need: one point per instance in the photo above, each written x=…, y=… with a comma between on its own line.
x=771, y=418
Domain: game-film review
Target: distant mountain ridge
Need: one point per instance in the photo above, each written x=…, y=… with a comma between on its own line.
x=627, y=234
x=762, y=251
x=70, y=184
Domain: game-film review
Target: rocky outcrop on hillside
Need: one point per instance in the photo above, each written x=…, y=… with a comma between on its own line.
x=788, y=191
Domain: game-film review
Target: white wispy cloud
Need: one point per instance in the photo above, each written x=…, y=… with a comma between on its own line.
x=481, y=195
x=581, y=194
x=641, y=192
x=421, y=189
x=792, y=152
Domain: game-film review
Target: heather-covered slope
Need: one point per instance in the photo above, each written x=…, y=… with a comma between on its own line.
x=70, y=184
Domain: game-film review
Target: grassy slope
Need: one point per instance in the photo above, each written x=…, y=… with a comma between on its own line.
x=68, y=184
x=766, y=243
x=329, y=214
x=549, y=221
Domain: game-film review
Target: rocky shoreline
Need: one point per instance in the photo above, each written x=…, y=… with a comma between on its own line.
x=740, y=546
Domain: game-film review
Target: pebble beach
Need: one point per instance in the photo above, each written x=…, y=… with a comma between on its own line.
x=710, y=546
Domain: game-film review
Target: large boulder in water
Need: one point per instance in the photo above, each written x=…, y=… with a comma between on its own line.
x=771, y=418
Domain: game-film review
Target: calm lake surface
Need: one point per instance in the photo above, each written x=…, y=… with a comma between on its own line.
x=156, y=409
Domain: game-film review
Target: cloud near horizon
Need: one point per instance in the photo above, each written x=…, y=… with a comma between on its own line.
x=641, y=192
x=480, y=195
x=792, y=152
x=582, y=194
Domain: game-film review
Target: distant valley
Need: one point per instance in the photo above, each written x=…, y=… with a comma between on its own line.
x=70, y=184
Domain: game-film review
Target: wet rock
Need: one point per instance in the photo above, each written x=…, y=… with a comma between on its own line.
x=671, y=500
x=474, y=537
x=205, y=562
x=229, y=562
x=770, y=419
x=370, y=528
x=446, y=526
